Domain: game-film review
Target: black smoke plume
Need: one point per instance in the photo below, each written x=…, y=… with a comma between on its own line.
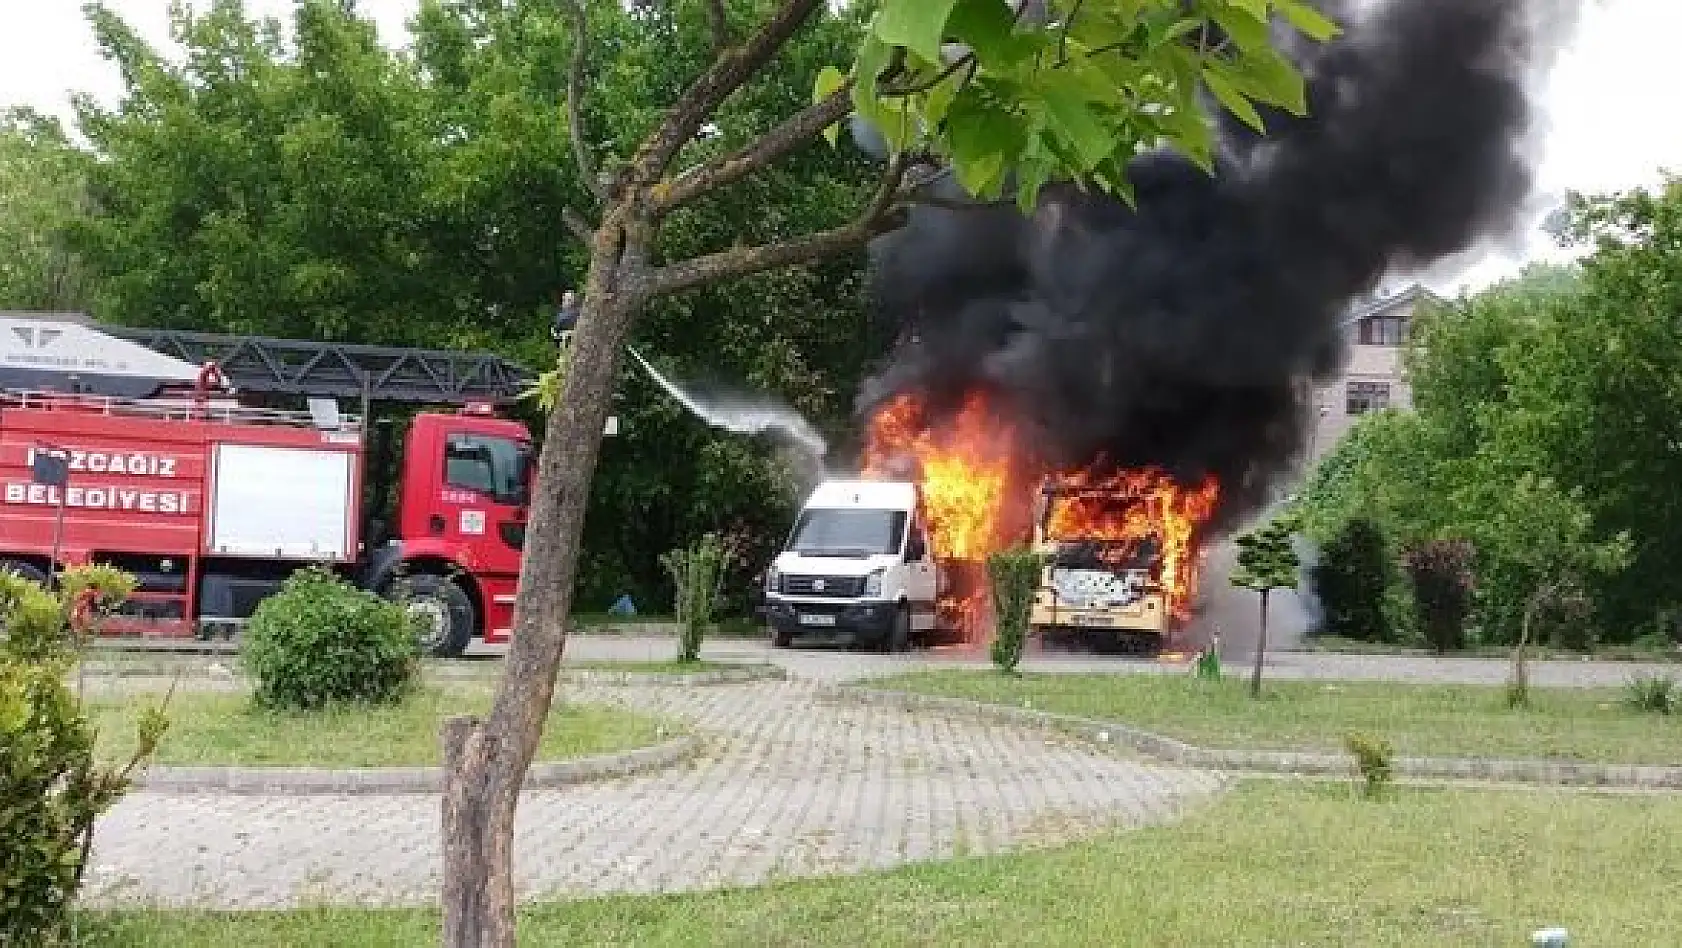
x=1181, y=335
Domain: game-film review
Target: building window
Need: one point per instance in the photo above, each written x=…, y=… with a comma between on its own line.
x=1363, y=397
x=1384, y=331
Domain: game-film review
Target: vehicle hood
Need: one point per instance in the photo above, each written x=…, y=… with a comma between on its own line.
x=801, y=564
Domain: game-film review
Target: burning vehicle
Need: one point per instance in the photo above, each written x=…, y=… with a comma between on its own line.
x=1121, y=555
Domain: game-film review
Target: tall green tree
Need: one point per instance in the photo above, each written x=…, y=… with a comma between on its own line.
x=42, y=194
x=272, y=181
x=1054, y=89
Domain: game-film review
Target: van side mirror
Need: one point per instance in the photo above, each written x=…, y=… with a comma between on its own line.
x=916, y=548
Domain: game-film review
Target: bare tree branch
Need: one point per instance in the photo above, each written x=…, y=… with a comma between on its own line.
x=577, y=224
x=788, y=135
x=720, y=26
x=733, y=67
x=950, y=204
x=878, y=217
x=575, y=99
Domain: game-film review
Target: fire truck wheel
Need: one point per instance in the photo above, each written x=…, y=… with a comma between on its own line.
x=23, y=571
x=445, y=613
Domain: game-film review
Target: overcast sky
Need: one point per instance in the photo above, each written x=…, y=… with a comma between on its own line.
x=1610, y=122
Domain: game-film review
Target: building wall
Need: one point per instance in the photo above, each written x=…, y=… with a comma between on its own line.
x=1369, y=369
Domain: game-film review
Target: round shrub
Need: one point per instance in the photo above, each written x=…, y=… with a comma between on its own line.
x=320, y=641
x=1442, y=590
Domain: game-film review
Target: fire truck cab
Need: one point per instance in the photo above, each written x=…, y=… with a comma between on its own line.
x=1103, y=589
x=856, y=569
x=211, y=501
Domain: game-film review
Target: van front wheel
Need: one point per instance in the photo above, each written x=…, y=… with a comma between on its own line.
x=898, y=637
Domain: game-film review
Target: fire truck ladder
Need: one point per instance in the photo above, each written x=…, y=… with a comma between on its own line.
x=300, y=367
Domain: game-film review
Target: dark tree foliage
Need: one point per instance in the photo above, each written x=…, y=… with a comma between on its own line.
x=1351, y=578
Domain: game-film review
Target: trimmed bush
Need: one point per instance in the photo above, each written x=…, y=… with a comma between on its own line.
x=1015, y=575
x=698, y=577
x=1442, y=590
x=1653, y=694
x=51, y=792
x=321, y=641
x=1375, y=760
x=1351, y=578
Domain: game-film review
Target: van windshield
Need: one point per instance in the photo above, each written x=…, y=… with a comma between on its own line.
x=848, y=532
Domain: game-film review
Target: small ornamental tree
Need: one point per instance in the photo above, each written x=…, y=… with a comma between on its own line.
x=698, y=577
x=1266, y=561
x=51, y=789
x=1015, y=575
x=1442, y=590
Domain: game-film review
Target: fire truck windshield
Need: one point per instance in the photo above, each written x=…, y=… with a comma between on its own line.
x=497, y=467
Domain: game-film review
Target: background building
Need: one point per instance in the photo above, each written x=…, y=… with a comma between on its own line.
x=1374, y=377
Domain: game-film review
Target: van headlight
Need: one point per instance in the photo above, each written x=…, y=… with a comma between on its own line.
x=772, y=578
x=873, y=583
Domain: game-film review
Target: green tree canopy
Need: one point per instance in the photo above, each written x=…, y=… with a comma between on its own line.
x=42, y=193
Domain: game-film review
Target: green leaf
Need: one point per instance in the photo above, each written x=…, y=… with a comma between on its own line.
x=1233, y=99
x=1033, y=170
x=1257, y=9
x=1308, y=21
x=917, y=25
x=829, y=80
x=989, y=28
x=1247, y=32
x=872, y=58
x=1269, y=77
x=982, y=138
x=1075, y=123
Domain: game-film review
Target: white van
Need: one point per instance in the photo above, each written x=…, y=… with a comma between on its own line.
x=856, y=569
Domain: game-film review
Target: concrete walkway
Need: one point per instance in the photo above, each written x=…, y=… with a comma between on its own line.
x=793, y=784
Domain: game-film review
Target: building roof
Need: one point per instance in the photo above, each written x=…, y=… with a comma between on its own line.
x=1378, y=306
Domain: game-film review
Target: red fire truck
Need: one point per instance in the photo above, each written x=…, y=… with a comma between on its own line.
x=212, y=500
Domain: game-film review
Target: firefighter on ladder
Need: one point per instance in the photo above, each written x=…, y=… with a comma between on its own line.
x=566, y=319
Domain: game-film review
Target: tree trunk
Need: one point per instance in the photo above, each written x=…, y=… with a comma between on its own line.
x=1520, y=689
x=1261, y=650
x=486, y=761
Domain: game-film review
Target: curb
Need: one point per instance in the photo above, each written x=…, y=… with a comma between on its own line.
x=721, y=676
x=309, y=781
x=469, y=674
x=1558, y=773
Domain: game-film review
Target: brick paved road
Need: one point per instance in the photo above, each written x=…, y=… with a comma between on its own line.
x=791, y=785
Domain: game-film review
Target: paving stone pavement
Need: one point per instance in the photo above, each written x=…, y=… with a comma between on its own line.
x=791, y=785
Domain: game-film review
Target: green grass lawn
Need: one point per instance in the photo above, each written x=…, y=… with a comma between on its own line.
x=225, y=729
x=1273, y=863
x=1601, y=653
x=1418, y=720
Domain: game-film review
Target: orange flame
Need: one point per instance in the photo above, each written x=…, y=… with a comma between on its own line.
x=1130, y=509
x=977, y=487
x=963, y=472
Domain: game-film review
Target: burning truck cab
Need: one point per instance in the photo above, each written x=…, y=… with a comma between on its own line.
x=1120, y=556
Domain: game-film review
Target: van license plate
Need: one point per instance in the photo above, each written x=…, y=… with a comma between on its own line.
x=817, y=620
